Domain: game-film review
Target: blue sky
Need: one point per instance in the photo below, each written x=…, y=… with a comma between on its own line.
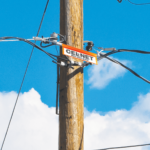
x=106, y=23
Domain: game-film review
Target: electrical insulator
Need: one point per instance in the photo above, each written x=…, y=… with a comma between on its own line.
x=89, y=46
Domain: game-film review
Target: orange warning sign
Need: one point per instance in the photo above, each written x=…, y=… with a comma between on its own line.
x=79, y=54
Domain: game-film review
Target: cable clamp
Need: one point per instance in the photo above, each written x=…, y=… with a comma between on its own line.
x=63, y=64
x=75, y=63
x=52, y=40
x=85, y=64
x=60, y=63
x=100, y=55
x=44, y=40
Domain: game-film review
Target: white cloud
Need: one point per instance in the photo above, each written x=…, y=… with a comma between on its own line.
x=102, y=74
x=120, y=128
x=35, y=126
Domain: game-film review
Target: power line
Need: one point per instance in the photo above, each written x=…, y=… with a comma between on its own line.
x=133, y=72
x=23, y=77
x=56, y=49
x=119, y=1
x=36, y=46
x=14, y=40
x=124, y=147
x=138, y=4
x=104, y=55
x=134, y=3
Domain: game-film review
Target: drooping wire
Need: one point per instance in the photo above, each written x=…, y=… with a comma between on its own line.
x=14, y=40
x=119, y=1
x=134, y=3
x=134, y=51
x=36, y=46
x=23, y=78
x=56, y=50
x=138, y=4
x=124, y=147
x=117, y=62
x=133, y=72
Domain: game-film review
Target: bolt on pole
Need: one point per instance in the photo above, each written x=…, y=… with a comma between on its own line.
x=71, y=104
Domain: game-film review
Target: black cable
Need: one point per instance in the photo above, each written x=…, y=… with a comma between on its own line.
x=42, y=18
x=119, y=1
x=29, y=42
x=133, y=72
x=126, y=50
x=56, y=50
x=23, y=78
x=36, y=46
x=138, y=4
x=124, y=147
x=46, y=45
x=134, y=51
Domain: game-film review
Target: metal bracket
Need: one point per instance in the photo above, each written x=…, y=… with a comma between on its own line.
x=53, y=39
x=63, y=64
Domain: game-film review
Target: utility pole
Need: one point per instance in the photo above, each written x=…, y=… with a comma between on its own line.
x=71, y=106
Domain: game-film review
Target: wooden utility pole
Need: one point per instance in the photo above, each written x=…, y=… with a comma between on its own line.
x=71, y=113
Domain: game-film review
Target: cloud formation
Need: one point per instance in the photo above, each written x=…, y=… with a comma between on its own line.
x=121, y=127
x=102, y=74
x=35, y=125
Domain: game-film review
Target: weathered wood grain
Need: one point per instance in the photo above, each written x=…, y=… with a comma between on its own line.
x=71, y=115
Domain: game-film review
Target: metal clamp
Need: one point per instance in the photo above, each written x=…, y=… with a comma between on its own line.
x=52, y=40
x=63, y=64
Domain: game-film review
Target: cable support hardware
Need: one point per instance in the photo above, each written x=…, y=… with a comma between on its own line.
x=89, y=46
x=49, y=41
x=52, y=40
x=66, y=62
x=36, y=46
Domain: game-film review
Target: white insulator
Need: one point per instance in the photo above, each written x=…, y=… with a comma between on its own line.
x=79, y=63
x=63, y=63
x=54, y=35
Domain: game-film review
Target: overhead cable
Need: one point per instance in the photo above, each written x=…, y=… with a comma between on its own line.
x=126, y=50
x=23, y=77
x=14, y=40
x=119, y=1
x=36, y=46
x=134, y=3
x=124, y=147
x=137, y=3
x=104, y=55
x=133, y=72
x=134, y=51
